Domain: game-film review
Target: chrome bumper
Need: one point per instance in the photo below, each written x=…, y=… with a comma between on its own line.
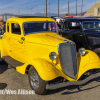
x=68, y=83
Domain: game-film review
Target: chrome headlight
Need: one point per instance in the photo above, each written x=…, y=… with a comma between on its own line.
x=53, y=55
x=82, y=51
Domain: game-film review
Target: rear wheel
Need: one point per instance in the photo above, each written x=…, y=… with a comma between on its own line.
x=36, y=83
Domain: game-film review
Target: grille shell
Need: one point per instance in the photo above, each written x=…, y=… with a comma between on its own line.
x=68, y=58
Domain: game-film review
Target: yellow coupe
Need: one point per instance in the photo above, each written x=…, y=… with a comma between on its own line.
x=32, y=45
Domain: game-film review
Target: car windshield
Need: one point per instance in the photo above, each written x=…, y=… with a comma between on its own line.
x=35, y=27
x=91, y=25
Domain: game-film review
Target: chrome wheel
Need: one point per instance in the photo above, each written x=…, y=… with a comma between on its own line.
x=34, y=80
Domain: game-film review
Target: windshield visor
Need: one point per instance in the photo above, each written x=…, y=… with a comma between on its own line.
x=35, y=27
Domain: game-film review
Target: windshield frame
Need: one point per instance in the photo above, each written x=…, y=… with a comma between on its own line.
x=40, y=31
x=88, y=28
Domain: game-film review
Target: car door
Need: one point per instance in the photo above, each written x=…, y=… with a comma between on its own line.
x=17, y=43
x=6, y=40
x=73, y=31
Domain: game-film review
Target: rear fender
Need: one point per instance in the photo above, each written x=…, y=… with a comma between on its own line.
x=0, y=45
x=3, y=50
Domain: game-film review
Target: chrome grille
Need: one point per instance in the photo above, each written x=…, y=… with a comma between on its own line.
x=68, y=59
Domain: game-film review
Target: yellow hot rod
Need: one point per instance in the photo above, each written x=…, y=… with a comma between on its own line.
x=32, y=45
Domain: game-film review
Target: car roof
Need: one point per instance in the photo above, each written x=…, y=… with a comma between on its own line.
x=82, y=19
x=22, y=19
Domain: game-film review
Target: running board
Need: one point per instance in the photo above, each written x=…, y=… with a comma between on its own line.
x=12, y=62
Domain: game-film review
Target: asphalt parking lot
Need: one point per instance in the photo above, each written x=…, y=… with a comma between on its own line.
x=11, y=79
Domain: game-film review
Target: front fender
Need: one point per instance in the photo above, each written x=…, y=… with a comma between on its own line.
x=87, y=62
x=43, y=67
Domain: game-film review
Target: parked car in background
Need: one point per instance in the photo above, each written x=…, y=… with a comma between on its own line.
x=85, y=32
x=32, y=45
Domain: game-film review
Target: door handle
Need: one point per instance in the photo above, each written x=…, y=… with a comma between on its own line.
x=20, y=42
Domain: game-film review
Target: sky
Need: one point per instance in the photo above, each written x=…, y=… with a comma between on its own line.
x=14, y=6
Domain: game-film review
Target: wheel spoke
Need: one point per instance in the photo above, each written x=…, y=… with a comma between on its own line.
x=34, y=80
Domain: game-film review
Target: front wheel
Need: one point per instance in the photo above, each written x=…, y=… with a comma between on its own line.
x=97, y=51
x=36, y=83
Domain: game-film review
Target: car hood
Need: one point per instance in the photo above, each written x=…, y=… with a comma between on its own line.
x=93, y=30
x=93, y=33
x=49, y=38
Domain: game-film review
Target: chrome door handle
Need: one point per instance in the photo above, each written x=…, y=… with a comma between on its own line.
x=20, y=42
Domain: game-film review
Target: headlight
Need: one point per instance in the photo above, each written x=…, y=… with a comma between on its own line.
x=53, y=55
x=82, y=51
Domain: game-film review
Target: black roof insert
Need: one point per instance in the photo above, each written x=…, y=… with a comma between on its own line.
x=32, y=17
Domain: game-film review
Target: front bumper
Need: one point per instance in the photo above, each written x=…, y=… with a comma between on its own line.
x=68, y=83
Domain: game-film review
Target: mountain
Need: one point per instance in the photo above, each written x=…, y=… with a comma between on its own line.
x=42, y=14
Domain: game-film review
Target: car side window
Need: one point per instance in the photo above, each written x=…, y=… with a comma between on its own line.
x=7, y=27
x=74, y=26
x=66, y=25
x=15, y=28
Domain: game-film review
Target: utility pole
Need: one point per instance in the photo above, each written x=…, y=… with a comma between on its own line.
x=81, y=7
x=58, y=8
x=46, y=8
x=76, y=7
x=68, y=7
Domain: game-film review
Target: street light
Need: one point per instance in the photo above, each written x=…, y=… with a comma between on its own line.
x=19, y=12
x=48, y=3
x=31, y=10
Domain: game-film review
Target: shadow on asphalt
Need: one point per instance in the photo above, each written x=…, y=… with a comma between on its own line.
x=3, y=68
x=78, y=87
x=2, y=86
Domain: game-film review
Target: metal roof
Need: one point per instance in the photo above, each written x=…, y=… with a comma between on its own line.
x=82, y=19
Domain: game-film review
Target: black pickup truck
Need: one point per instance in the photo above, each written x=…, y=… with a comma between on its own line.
x=85, y=32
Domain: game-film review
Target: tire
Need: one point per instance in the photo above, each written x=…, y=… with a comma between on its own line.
x=1, y=60
x=40, y=85
x=97, y=51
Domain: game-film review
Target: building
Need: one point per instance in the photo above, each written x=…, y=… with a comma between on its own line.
x=6, y=16
x=94, y=10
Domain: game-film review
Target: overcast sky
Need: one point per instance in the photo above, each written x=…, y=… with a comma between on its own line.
x=13, y=6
